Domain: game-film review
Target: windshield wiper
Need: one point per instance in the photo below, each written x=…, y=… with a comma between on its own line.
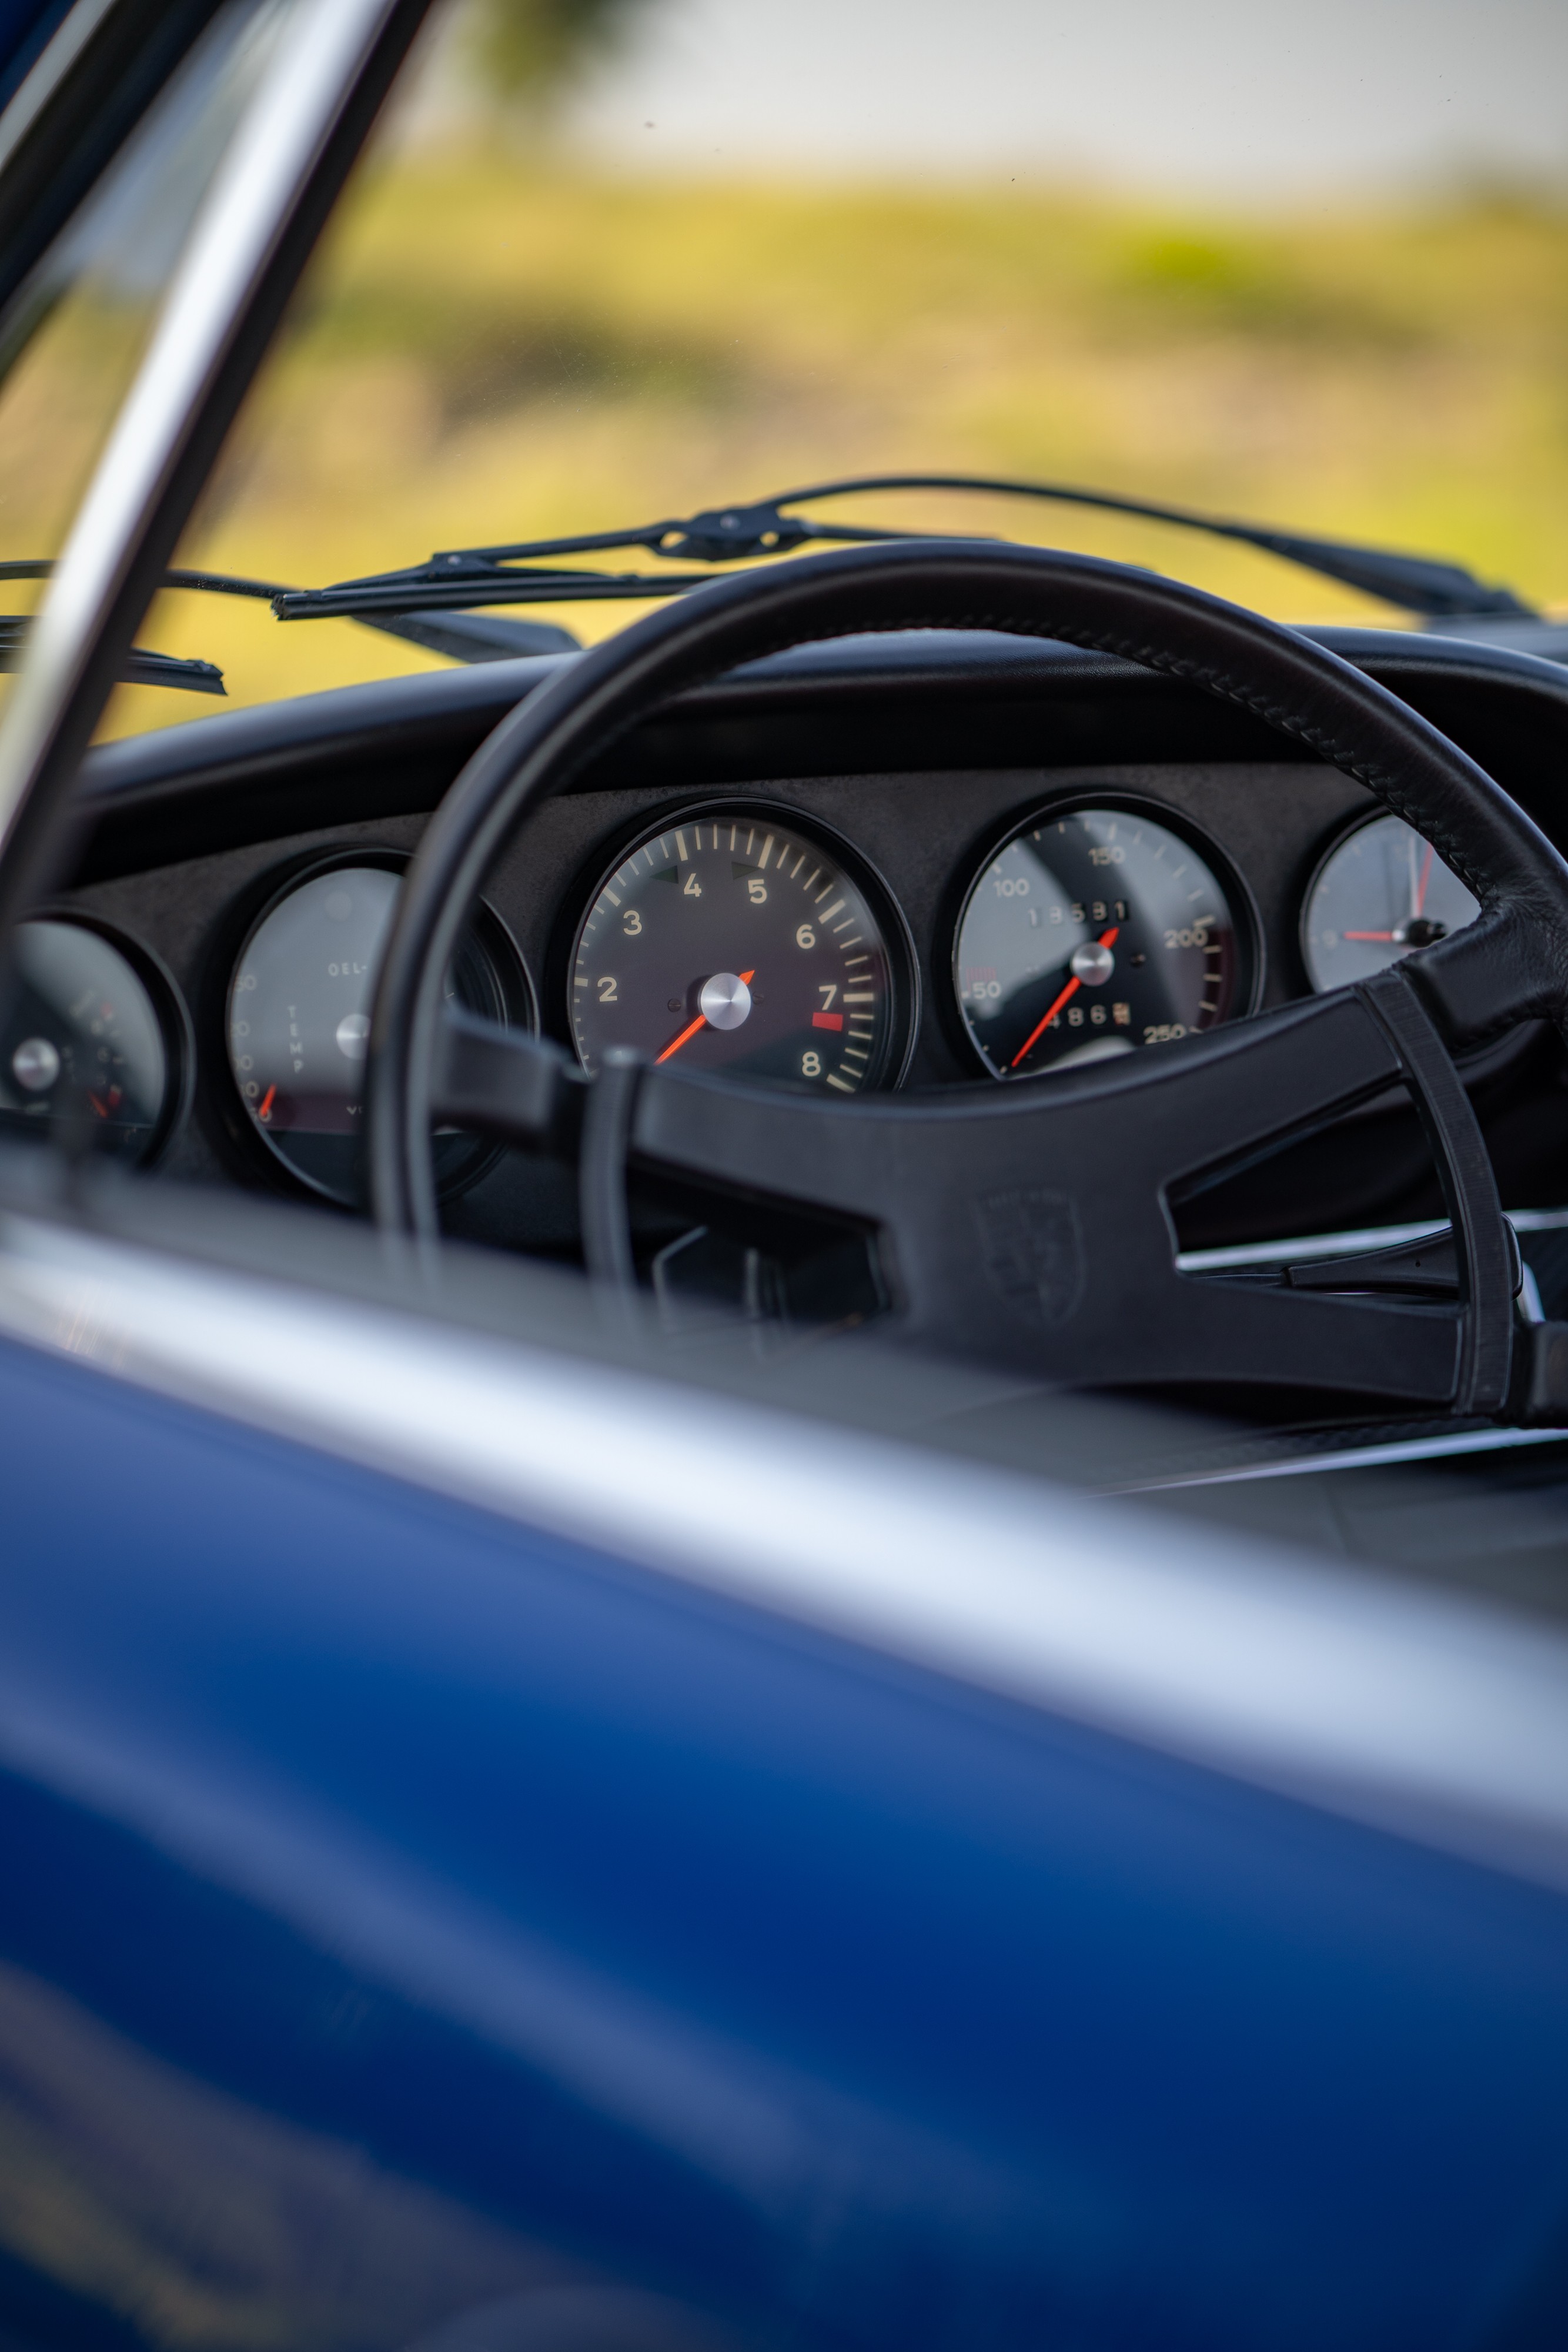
x=462, y=636
x=521, y=573
x=431, y=603
x=140, y=668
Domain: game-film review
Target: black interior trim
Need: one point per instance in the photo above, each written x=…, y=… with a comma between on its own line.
x=927, y=699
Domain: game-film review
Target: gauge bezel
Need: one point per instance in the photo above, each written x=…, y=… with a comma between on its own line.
x=175, y=1027
x=518, y=996
x=1072, y=800
x=1476, y=1063
x=1360, y=822
x=902, y=962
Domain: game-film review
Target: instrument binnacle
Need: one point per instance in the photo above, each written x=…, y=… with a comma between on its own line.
x=737, y=939
x=1091, y=933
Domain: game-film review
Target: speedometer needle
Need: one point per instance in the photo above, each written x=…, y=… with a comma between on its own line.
x=693, y=1027
x=1107, y=940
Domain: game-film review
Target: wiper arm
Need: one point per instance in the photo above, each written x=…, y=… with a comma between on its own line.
x=140, y=668
x=467, y=638
x=522, y=573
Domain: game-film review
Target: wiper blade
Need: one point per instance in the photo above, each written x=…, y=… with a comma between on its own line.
x=466, y=637
x=139, y=668
x=520, y=572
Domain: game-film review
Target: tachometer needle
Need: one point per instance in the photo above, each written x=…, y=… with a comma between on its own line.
x=1107, y=940
x=266, y=1111
x=1426, y=877
x=1366, y=935
x=693, y=1027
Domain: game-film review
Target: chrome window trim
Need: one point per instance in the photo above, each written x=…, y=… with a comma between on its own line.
x=1433, y=1714
x=322, y=47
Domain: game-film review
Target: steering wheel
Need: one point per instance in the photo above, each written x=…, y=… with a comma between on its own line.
x=1027, y=1224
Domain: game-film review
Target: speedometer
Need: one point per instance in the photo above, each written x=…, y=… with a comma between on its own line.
x=737, y=938
x=1096, y=931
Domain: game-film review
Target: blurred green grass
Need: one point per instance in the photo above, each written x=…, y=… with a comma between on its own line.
x=487, y=350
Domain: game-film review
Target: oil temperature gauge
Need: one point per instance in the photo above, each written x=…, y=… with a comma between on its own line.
x=299, y=1021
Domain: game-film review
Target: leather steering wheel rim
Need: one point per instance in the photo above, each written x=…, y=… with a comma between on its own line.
x=1510, y=964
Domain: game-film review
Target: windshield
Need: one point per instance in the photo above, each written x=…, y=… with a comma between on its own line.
x=612, y=263
x=77, y=328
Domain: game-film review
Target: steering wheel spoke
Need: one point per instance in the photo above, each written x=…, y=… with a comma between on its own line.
x=1031, y=1221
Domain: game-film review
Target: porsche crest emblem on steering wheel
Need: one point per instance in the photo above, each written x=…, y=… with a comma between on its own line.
x=1033, y=1251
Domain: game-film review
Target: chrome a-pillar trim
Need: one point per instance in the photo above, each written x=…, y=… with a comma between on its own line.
x=324, y=50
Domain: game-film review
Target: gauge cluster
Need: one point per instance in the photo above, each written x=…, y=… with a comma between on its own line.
x=832, y=937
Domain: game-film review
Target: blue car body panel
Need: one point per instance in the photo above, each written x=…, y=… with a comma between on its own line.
x=25, y=27
x=648, y=1935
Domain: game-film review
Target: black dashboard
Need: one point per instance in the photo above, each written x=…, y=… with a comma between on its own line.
x=900, y=774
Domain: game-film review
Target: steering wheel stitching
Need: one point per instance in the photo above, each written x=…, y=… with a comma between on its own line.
x=1032, y=1226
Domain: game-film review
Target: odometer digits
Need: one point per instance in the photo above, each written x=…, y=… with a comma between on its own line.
x=733, y=939
x=1092, y=932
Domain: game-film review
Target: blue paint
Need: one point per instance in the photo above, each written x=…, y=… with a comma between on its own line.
x=26, y=28
x=801, y=1985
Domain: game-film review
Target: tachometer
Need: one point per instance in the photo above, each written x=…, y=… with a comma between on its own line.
x=1381, y=891
x=1094, y=931
x=736, y=939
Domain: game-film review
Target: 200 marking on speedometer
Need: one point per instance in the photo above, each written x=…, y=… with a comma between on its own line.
x=731, y=940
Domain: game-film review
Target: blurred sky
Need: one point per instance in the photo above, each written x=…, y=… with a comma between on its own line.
x=1227, y=96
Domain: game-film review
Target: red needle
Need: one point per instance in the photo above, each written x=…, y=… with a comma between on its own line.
x=692, y=1027
x=1426, y=878
x=1366, y=935
x=267, y=1101
x=1107, y=940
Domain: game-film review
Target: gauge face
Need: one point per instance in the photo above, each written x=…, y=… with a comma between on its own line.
x=1092, y=932
x=84, y=1052
x=735, y=940
x=1379, y=892
x=300, y=1025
